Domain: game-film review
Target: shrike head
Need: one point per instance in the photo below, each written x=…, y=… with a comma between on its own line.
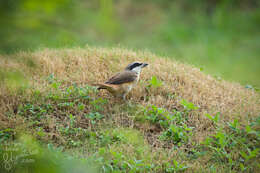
x=136, y=66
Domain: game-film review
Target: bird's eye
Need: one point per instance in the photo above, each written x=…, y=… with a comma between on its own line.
x=135, y=64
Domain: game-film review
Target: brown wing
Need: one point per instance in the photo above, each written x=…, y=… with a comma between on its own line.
x=122, y=77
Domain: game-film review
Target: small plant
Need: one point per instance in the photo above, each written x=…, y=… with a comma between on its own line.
x=188, y=105
x=176, y=134
x=215, y=118
x=94, y=117
x=238, y=139
x=58, y=92
x=72, y=120
x=71, y=128
x=155, y=114
x=154, y=82
x=81, y=106
x=98, y=104
x=66, y=105
x=118, y=162
x=174, y=125
x=175, y=167
x=51, y=78
x=35, y=111
x=6, y=134
x=251, y=154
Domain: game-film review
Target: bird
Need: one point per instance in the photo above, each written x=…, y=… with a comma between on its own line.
x=122, y=82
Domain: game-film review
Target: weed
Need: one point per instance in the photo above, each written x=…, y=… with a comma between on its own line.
x=154, y=83
x=234, y=145
x=215, y=119
x=155, y=114
x=81, y=106
x=175, y=167
x=34, y=111
x=73, y=91
x=175, y=128
x=177, y=134
x=6, y=134
x=98, y=104
x=119, y=162
x=94, y=117
x=40, y=132
x=188, y=105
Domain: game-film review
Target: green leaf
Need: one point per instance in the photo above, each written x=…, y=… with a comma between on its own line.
x=248, y=129
x=188, y=105
x=155, y=83
x=209, y=117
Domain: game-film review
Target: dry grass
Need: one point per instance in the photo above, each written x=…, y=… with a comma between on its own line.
x=91, y=65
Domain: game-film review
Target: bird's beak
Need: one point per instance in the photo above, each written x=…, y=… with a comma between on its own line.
x=144, y=65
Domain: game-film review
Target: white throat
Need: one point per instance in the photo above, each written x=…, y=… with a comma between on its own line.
x=137, y=70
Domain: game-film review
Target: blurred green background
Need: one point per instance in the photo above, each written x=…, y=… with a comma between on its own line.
x=222, y=37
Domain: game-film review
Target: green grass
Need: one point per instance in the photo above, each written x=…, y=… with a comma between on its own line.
x=223, y=42
x=82, y=135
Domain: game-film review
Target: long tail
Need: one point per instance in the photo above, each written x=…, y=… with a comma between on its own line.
x=102, y=86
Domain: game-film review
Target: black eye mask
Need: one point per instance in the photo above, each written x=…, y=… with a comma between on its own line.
x=133, y=65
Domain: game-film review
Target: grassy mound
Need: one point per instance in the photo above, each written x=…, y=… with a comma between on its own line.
x=167, y=122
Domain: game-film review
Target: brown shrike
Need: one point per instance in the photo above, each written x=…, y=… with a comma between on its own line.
x=121, y=83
